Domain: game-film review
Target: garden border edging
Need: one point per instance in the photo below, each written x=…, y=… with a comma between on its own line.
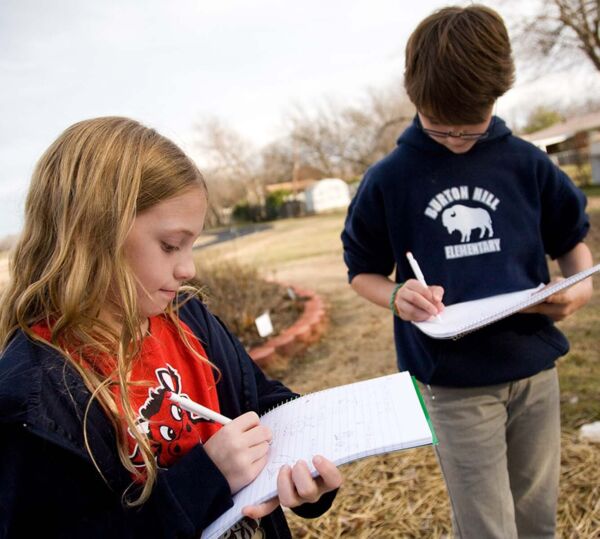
x=294, y=340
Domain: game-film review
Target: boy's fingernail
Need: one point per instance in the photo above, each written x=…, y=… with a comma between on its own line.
x=318, y=459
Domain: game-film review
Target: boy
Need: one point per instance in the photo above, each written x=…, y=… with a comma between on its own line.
x=479, y=209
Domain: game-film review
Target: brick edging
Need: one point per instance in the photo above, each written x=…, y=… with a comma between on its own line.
x=294, y=340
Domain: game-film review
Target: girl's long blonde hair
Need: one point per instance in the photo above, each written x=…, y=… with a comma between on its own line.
x=69, y=262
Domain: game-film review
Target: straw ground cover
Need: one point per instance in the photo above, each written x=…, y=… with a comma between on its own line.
x=402, y=494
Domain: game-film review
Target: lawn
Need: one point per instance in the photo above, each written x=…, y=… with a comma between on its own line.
x=402, y=494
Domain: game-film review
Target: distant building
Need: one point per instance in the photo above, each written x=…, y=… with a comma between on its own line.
x=572, y=142
x=312, y=196
x=298, y=186
x=327, y=194
x=295, y=201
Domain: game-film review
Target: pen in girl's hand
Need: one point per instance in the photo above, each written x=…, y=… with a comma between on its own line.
x=198, y=409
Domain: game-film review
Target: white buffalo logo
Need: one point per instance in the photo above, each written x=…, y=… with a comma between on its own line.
x=465, y=220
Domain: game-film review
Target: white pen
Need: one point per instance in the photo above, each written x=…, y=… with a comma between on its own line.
x=417, y=271
x=198, y=409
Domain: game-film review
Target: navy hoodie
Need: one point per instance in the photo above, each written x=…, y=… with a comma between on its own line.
x=48, y=479
x=479, y=223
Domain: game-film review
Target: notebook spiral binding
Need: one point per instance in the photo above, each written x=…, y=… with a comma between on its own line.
x=311, y=393
x=279, y=404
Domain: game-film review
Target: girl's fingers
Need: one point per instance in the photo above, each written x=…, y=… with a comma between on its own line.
x=329, y=472
x=262, y=509
x=258, y=452
x=245, y=422
x=306, y=487
x=296, y=486
x=258, y=435
x=286, y=491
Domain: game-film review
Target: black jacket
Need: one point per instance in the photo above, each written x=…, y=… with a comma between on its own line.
x=49, y=482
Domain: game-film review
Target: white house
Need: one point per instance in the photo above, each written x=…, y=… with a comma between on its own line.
x=572, y=142
x=327, y=194
x=564, y=131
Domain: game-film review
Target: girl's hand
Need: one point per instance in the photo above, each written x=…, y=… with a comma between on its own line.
x=564, y=303
x=240, y=449
x=417, y=303
x=295, y=486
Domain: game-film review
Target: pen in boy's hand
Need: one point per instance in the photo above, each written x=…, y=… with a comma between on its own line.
x=416, y=268
x=198, y=409
x=418, y=273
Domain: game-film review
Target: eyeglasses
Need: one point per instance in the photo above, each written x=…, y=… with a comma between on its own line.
x=460, y=134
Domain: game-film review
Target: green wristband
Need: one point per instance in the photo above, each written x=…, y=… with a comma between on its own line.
x=393, y=299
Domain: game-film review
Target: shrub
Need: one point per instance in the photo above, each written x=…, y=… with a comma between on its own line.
x=275, y=202
x=245, y=212
x=238, y=295
x=581, y=174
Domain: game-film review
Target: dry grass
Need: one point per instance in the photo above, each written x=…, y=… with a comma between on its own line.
x=396, y=495
x=402, y=495
x=288, y=240
x=579, y=503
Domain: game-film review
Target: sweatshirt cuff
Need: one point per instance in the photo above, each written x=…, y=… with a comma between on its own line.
x=313, y=510
x=199, y=489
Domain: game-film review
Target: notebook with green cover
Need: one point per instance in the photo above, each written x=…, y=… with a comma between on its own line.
x=343, y=424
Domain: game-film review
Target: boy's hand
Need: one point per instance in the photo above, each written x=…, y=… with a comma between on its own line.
x=240, y=449
x=295, y=486
x=417, y=303
x=564, y=303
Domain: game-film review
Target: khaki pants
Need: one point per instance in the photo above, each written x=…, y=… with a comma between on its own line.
x=499, y=450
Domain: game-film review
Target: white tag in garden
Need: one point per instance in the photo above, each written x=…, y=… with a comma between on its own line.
x=590, y=432
x=264, y=325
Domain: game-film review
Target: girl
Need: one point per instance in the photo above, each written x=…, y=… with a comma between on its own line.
x=96, y=330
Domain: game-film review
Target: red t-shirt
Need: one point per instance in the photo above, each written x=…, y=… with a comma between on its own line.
x=168, y=366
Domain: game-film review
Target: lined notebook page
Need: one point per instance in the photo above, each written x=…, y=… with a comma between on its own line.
x=343, y=423
x=468, y=316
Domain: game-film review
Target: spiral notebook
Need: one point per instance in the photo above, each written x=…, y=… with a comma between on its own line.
x=461, y=318
x=343, y=423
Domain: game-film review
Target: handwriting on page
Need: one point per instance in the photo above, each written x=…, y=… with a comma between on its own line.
x=296, y=436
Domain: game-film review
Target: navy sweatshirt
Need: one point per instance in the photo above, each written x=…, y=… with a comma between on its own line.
x=479, y=223
x=47, y=478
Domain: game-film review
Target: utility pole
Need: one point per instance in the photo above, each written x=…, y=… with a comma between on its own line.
x=295, y=180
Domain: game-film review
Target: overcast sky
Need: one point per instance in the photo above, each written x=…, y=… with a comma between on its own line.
x=170, y=63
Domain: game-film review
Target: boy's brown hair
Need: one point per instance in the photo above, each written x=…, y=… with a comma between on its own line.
x=458, y=62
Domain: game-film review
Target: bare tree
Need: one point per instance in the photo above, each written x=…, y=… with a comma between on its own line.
x=233, y=171
x=331, y=140
x=540, y=118
x=558, y=28
x=344, y=140
x=278, y=161
x=8, y=242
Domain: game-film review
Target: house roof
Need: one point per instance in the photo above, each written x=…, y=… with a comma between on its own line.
x=558, y=132
x=299, y=185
